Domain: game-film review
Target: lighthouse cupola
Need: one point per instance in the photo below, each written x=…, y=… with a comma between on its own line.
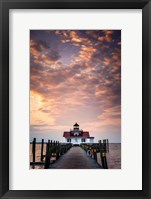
x=76, y=127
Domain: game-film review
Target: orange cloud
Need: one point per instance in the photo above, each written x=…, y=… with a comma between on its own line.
x=108, y=32
x=107, y=61
x=101, y=38
x=81, y=83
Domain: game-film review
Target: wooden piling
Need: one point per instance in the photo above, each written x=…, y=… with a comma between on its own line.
x=100, y=146
x=107, y=145
x=103, y=151
x=51, y=143
x=53, y=149
x=57, y=150
x=42, y=147
x=104, y=146
x=48, y=155
x=34, y=149
x=104, y=160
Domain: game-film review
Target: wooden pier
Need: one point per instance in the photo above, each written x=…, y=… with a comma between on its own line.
x=75, y=158
x=67, y=156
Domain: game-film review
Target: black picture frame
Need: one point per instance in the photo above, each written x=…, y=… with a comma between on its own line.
x=5, y=5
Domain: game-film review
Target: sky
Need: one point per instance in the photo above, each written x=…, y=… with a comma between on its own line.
x=75, y=76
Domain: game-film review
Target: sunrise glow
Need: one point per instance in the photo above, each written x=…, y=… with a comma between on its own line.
x=75, y=76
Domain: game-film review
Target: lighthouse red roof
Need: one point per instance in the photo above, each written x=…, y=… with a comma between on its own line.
x=84, y=134
x=66, y=134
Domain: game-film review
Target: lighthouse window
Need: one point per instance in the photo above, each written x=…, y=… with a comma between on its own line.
x=83, y=140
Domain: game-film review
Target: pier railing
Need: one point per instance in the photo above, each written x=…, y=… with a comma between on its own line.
x=102, y=147
x=54, y=150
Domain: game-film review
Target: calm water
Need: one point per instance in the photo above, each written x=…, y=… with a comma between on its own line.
x=113, y=157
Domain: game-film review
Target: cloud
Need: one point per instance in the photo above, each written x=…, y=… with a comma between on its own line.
x=84, y=87
x=93, y=33
x=37, y=47
x=106, y=36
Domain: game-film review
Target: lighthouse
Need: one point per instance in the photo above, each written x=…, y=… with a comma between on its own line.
x=77, y=136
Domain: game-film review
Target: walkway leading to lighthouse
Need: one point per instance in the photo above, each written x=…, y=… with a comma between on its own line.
x=75, y=158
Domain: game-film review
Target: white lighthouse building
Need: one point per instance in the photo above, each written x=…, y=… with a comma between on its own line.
x=77, y=136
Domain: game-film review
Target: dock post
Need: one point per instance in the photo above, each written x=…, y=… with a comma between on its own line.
x=107, y=145
x=34, y=149
x=103, y=151
x=51, y=143
x=57, y=150
x=42, y=148
x=105, y=166
x=48, y=155
x=100, y=149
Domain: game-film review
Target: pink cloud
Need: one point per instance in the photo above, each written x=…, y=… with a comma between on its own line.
x=87, y=87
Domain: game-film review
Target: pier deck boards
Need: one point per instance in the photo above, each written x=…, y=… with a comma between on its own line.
x=75, y=158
